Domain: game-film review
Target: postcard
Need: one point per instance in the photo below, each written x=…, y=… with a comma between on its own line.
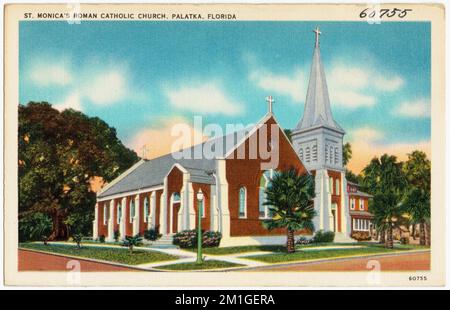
x=224, y=145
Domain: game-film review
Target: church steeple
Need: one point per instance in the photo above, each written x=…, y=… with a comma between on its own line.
x=317, y=105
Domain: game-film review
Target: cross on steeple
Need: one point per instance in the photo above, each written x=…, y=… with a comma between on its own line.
x=270, y=101
x=318, y=33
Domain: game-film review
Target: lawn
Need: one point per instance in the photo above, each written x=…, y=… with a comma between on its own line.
x=208, y=264
x=118, y=255
x=300, y=255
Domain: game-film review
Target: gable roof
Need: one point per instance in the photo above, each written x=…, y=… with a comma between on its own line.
x=152, y=172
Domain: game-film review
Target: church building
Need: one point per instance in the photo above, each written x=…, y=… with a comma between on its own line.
x=229, y=188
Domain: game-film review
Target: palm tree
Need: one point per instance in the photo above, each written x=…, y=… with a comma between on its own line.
x=132, y=241
x=77, y=238
x=289, y=198
x=385, y=180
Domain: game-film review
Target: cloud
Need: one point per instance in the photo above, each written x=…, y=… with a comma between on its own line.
x=50, y=73
x=357, y=86
x=158, y=139
x=107, y=87
x=101, y=83
x=420, y=108
x=71, y=102
x=206, y=97
x=287, y=85
x=366, y=134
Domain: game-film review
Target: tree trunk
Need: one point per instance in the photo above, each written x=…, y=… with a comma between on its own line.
x=382, y=236
x=428, y=234
x=414, y=231
x=59, y=229
x=422, y=233
x=389, y=239
x=290, y=241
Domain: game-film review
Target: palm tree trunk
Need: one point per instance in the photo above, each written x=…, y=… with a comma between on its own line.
x=428, y=234
x=382, y=236
x=290, y=241
x=422, y=233
x=389, y=240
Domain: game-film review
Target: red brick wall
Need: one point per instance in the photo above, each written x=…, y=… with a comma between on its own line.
x=158, y=206
x=116, y=206
x=206, y=189
x=174, y=185
x=247, y=172
x=102, y=229
x=128, y=225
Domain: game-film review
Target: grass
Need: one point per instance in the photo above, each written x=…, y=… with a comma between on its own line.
x=118, y=255
x=208, y=264
x=320, y=254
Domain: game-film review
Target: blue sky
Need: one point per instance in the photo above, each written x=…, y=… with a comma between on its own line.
x=139, y=75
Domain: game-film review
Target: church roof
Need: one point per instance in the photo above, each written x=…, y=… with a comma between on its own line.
x=151, y=173
x=317, y=112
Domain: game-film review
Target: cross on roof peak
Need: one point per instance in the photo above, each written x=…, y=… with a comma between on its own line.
x=270, y=101
x=318, y=33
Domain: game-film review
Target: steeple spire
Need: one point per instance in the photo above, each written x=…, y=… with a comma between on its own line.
x=317, y=105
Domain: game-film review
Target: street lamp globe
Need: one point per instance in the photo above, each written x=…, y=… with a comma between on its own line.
x=200, y=195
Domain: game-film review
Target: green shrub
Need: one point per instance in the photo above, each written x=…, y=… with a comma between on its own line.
x=211, y=239
x=152, y=234
x=188, y=239
x=323, y=236
x=361, y=235
x=404, y=240
x=132, y=241
x=101, y=238
x=34, y=227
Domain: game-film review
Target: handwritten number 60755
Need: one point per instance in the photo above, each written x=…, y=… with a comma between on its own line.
x=374, y=13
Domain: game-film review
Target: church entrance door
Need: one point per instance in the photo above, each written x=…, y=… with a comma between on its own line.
x=175, y=209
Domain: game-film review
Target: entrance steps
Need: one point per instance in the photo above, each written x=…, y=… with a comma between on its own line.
x=342, y=238
x=164, y=242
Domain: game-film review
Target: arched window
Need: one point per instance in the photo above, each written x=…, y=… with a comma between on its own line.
x=337, y=191
x=264, y=182
x=105, y=214
x=146, y=209
x=242, y=202
x=132, y=210
x=308, y=155
x=301, y=154
x=119, y=212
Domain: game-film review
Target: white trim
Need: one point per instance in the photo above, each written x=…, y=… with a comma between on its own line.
x=120, y=177
x=136, y=192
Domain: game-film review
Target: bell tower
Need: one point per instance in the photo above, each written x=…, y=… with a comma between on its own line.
x=318, y=140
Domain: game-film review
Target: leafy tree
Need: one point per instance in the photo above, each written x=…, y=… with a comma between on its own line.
x=385, y=180
x=417, y=170
x=59, y=155
x=289, y=198
x=288, y=133
x=346, y=153
x=132, y=241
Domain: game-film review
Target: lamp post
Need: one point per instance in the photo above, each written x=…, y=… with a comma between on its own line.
x=200, y=197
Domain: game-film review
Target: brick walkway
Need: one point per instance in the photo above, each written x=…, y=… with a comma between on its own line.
x=33, y=261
